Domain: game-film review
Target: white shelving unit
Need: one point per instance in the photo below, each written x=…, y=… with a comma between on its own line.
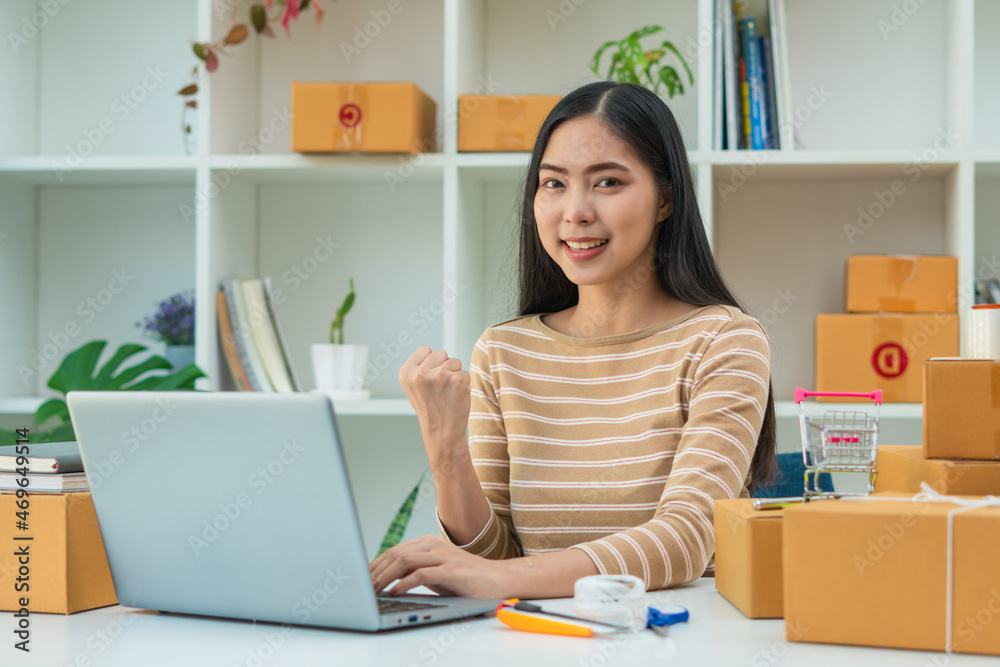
x=432, y=257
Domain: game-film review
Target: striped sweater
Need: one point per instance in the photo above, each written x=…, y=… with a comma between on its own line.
x=618, y=445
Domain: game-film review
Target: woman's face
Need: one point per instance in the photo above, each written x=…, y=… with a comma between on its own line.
x=597, y=206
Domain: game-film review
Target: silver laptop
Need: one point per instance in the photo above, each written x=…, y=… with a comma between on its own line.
x=235, y=505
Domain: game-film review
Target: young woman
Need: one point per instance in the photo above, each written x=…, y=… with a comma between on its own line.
x=630, y=394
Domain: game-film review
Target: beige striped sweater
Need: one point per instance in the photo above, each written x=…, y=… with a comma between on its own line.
x=619, y=445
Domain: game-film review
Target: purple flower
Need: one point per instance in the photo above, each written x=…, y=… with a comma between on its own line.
x=173, y=321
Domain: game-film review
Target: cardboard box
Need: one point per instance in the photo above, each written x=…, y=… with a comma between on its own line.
x=962, y=409
x=901, y=284
x=873, y=573
x=887, y=352
x=902, y=468
x=501, y=122
x=67, y=569
x=366, y=117
x=748, y=557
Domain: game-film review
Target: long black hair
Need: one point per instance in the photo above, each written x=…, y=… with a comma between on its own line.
x=684, y=264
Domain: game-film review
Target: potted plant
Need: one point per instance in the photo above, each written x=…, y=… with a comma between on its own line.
x=339, y=368
x=79, y=370
x=173, y=325
x=631, y=63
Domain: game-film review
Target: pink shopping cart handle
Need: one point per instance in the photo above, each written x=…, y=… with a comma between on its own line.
x=801, y=394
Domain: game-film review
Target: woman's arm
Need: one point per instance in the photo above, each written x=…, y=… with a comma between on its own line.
x=439, y=391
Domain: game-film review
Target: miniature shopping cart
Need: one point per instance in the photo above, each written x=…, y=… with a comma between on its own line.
x=839, y=441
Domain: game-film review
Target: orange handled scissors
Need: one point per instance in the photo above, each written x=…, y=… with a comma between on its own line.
x=521, y=616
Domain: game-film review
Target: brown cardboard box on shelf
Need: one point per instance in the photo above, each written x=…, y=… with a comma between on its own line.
x=65, y=566
x=903, y=467
x=901, y=284
x=962, y=409
x=887, y=352
x=873, y=572
x=501, y=122
x=366, y=117
x=748, y=557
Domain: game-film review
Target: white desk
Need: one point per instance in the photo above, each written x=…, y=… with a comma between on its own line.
x=717, y=634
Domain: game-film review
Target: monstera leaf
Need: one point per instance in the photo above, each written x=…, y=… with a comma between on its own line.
x=79, y=371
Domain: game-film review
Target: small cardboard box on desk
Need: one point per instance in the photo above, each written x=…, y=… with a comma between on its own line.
x=748, y=557
x=902, y=468
x=875, y=571
x=962, y=409
x=63, y=566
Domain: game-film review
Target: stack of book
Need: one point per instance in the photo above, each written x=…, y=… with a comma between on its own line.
x=252, y=341
x=50, y=467
x=752, y=108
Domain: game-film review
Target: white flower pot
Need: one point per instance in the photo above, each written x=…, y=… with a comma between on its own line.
x=179, y=355
x=339, y=370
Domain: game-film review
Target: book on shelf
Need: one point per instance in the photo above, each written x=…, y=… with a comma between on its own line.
x=733, y=134
x=235, y=356
x=752, y=103
x=253, y=365
x=286, y=357
x=43, y=458
x=45, y=482
x=753, y=124
x=253, y=343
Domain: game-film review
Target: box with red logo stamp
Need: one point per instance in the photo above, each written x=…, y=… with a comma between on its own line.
x=362, y=117
x=887, y=352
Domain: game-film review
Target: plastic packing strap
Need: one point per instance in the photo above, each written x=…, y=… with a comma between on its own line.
x=929, y=495
x=612, y=598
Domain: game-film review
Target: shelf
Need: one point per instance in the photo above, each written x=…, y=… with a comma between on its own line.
x=100, y=170
x=392, y=170
x=852, y=165
x=790, y=409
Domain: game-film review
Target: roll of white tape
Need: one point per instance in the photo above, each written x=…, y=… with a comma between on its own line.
x=612, y=598
x=981, y=333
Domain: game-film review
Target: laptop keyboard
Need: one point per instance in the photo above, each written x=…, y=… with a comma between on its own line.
x=393, y=605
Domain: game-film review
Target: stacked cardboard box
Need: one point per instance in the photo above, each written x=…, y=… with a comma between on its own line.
x=62, y=569
x=901, y=311
x=910, y=567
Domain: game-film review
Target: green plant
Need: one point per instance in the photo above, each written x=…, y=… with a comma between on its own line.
x=630, y=63
x=79, y=371
x=337, y=325
x=262, y=15
x=397, y=528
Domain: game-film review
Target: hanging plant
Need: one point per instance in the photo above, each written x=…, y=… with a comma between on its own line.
x=261, y=16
